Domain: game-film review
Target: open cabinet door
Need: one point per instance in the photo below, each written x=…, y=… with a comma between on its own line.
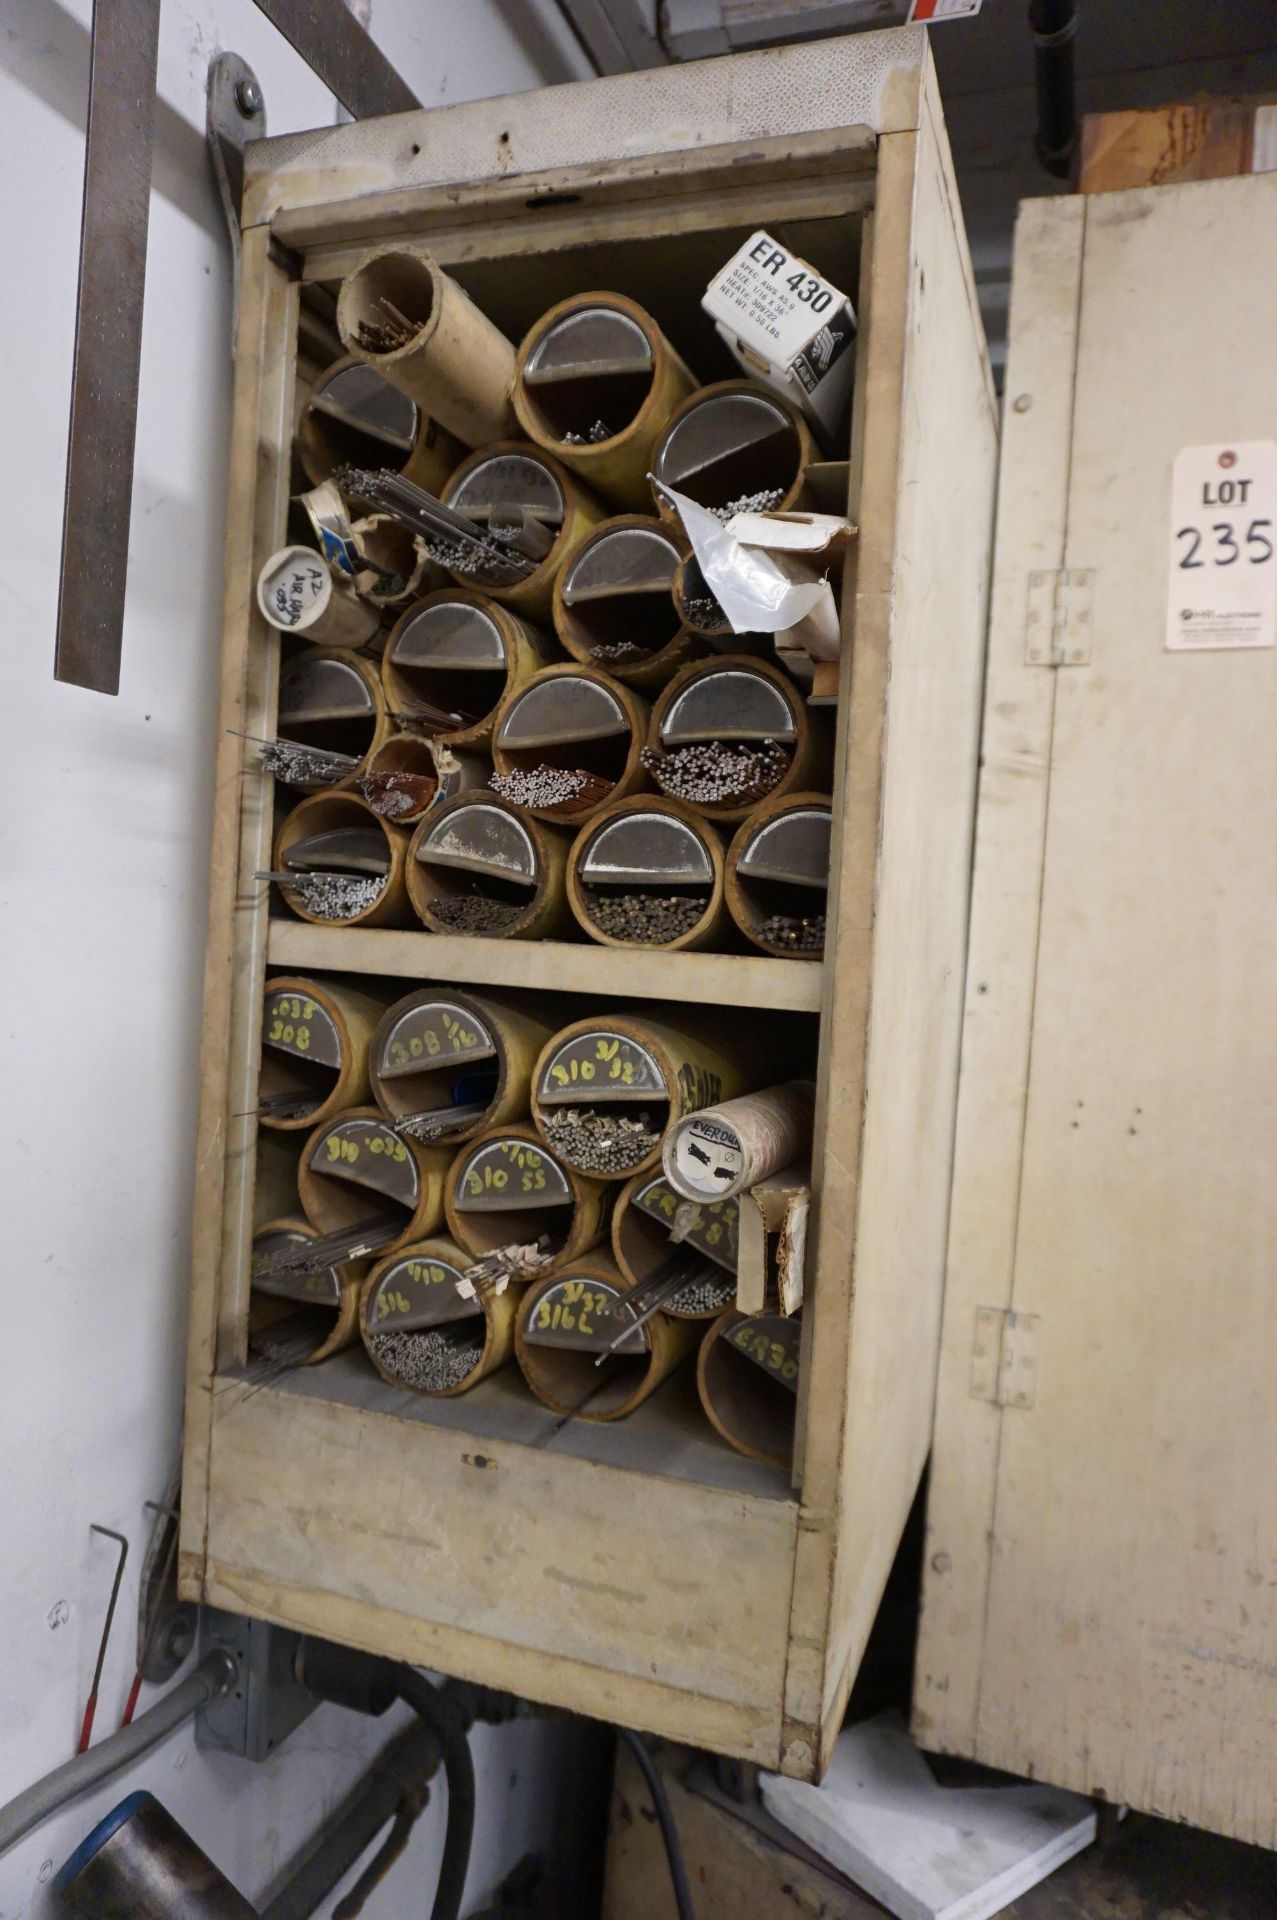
x=1101, y=1589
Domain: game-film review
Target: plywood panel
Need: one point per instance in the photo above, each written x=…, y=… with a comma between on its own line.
x=1130, y=1643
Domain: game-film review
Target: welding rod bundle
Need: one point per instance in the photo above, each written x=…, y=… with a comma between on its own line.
x=444, y=1064
x=421, y=1332
x=579, y=1351
x=302, y=1311
x=644, y=872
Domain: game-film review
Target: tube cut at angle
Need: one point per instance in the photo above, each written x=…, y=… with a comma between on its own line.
x=421, y=331
x=721, y=1151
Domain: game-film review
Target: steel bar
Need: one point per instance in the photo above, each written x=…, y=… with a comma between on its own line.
x=349, y=62
x=108, y=343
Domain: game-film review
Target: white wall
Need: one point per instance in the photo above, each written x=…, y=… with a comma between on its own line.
x=103, y=850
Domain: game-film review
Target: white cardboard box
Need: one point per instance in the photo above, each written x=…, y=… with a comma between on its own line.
x=786, y=326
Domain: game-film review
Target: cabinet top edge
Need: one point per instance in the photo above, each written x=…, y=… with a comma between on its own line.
x=861, y=79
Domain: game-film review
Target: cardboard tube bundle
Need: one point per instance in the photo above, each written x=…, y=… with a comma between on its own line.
x=596, y=383
x=721, y=1150
x=613, y=602
x=734, y=447
x=421, y=1334
x=409, y=774
x=298, y=592
x=315, y=1314
x=356, y=1168
x=777, y=875
x=352, y=417
x=515, y=475
x=747, y=1378
x=567, y=741
x=355, y=857
x=565, y=1322
x=644, y=873
x=647, y=1214
x=330, y=702
x=452, y=660
x=607, y=1088
x=506, y=1187
x=315, y=1035
x=404, y=316
x=448, y=1064
x=479, y=865
x=730, y=732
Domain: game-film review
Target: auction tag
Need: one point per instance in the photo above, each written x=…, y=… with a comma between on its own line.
x=1222, y=585
x=941, y=10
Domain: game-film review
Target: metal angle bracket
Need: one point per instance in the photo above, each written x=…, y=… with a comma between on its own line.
x=236, y=114
x=1058, y=617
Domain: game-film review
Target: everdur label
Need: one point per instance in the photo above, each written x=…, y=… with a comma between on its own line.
x=1222, y=575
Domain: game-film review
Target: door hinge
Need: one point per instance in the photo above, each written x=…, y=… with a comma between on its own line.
x=1057, y=621
x=1004, y=1357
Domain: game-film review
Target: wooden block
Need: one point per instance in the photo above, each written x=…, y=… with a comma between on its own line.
x=1189, y=140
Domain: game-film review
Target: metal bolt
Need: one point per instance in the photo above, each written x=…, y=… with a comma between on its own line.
x=248, y=98
x=177, y=1640
x=1022, y=402
x=941, y=1562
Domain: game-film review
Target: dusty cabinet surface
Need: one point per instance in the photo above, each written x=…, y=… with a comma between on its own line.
x=640, y=1572
x=1102, y=1545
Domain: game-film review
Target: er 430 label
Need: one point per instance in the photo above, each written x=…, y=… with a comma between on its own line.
x=1222, y=586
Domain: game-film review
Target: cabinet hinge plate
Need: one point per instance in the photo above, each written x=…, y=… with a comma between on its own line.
x=1058, y=615
x=1004, y=1357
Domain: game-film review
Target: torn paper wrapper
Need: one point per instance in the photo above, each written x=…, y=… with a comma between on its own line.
x=761, y=568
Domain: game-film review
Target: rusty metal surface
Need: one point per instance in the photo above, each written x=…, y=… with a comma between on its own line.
x=108, y=344
x=349, y=62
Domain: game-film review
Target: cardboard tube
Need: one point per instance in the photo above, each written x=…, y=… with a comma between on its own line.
x=297, y=592
x=775, y=881
x=693, y=871
x=321, y=718
x=565, y=1379
x=315, y=1035
x=643, y=1221
x=410, y=1314
x=625, y=1064
x=402, y=314
x=635, y=403
x=533, y=596
x=613, y=602
x=399, y=1179
x=721, y=1150
x=336, y=1321
x=773, y=462
x=341, y=425
x=458, y=651
x=577, y=719
x=747, y=1405
x=683, y=714
x=497, y=1190
x=397, y=548
x=480, y=847
x=334, y=812
x=437, y=1048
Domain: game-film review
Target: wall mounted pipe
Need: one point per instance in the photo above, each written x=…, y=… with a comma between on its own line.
x=339, y=835
x=421, y=1333
x=452, y=660
x=575, y=721
x=352, y=417
x=356, y=1168
x=613, y=602
x=315, y=1035
x=607, y=1088
x=645, y=873
x=297, y=592
x=405, y=317
x=563, y=1325
x=515, y=476
x=1054, y=27
x=747, y=1377
x=729, y=732
x=479, y=865
x=731, y=444
x=439, y=1052
x=596, y=382
x=777, y=875
x=508, y=1187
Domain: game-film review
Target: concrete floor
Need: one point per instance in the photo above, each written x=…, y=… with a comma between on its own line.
x=1150, y=1870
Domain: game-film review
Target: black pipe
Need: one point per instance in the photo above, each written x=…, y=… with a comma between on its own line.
x=1054, y=25
x=446, y=1715
x=402, y=1769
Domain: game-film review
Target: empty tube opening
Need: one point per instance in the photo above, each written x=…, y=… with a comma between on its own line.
x=355, y=418
x=572, y=1381
x=439, y=1091
x=625, y=628
x=758, y=1412
x=336, y=1204
x=394, y=549
x=732, y=452
x=290, y=1087
x=588, y=375
x=388, y=302
x=431, y=1359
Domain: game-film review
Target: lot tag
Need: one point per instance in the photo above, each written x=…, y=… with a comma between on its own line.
x=1222, y=575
